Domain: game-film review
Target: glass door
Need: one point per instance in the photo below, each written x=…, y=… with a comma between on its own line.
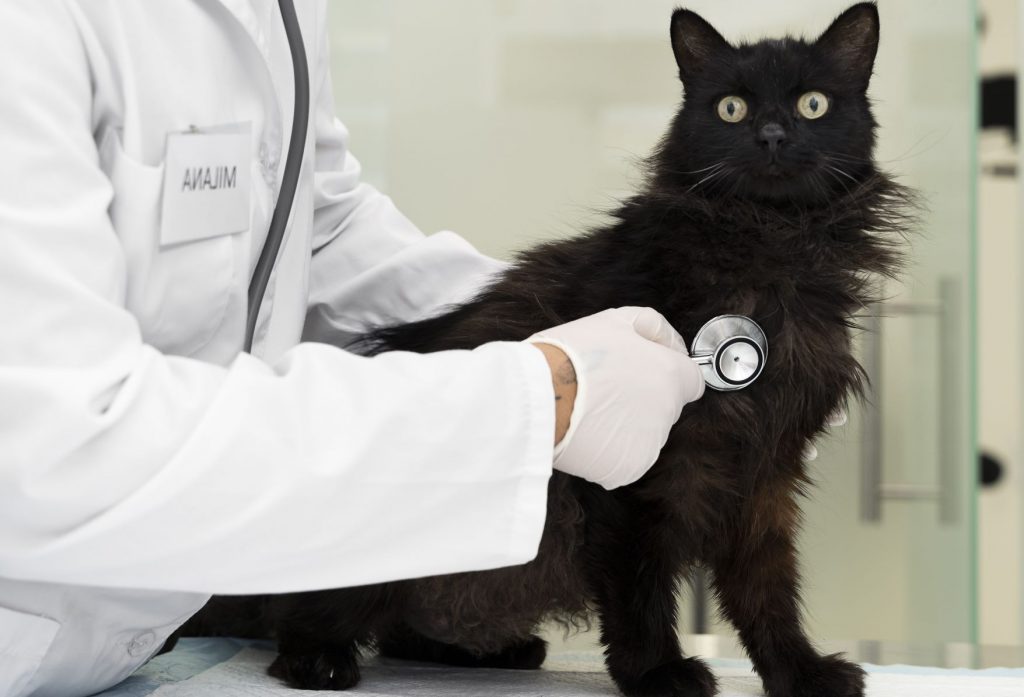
x=889, y=547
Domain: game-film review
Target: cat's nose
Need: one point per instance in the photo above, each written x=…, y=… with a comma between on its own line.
x=772, y=135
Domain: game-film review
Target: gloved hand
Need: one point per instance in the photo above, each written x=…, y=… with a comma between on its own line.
x=835, y=420
x=634, y=376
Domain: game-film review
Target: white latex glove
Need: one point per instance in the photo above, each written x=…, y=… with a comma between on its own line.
x=634, y=375
x=835, y=420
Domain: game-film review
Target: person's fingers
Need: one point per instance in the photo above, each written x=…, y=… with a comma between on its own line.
x=650, y=324
x=810, y=453
x=693, y=379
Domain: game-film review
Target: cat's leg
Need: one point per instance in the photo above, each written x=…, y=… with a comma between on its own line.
x=638, y=629
x=757, y=583
x=309, y=663
x=633, y=573
x=404, y=643
x=319, y=634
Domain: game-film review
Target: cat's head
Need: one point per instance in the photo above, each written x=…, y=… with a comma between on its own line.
x=782, y=120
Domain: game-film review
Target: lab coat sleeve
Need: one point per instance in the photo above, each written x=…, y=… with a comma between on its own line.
x=371, y=266
x=124, y=467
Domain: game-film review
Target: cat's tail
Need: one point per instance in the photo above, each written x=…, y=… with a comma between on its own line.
x=436, y=333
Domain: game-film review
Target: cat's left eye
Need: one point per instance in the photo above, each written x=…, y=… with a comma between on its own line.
x=812, y=105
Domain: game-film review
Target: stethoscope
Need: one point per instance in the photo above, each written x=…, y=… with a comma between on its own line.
x=290, y=180
x=730, y=349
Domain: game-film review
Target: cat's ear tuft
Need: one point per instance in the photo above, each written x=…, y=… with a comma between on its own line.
x=852, y=42
x=694, y=42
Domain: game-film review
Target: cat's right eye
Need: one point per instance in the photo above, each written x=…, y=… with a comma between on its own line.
x=732, y=109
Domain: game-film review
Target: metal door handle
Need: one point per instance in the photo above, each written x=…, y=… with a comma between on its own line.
x=874, y=489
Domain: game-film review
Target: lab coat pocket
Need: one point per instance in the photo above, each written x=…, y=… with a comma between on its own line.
x=24, y=641
x=179, y=293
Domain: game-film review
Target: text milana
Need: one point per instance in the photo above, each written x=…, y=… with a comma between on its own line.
x=209, y=178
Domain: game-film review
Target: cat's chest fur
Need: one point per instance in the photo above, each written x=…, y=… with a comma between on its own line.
x=797, y=279
x=802, y=281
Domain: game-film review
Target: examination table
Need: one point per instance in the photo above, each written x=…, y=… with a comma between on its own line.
x=234, y=668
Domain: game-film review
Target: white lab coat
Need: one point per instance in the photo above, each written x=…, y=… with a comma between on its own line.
x=144, y=462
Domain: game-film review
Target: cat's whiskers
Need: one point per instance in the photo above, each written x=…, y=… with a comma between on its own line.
x=835, y=172
x=839, y=171
x=720, y=170
x=909, y=154
x=842, y=157
x=818, y=184
x=830, y=171
x=828, y=192
x=703, y=169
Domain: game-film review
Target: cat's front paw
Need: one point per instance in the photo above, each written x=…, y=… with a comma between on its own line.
x=682, y=677
x=828, y=676
x=316, y=670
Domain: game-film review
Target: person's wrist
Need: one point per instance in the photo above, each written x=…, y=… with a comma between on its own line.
x=564, y=385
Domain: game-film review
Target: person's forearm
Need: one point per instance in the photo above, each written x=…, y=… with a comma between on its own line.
x=563, y=380
x=247, y=456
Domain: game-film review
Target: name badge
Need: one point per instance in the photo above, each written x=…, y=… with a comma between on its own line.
x=206, y=183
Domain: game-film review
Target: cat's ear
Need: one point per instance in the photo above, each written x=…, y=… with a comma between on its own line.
x=852, y=42
x=694, y=42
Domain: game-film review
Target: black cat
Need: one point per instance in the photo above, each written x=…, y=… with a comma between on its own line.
x=762, y=200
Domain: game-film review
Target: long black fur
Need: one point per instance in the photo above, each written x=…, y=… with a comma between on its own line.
x=793, y=236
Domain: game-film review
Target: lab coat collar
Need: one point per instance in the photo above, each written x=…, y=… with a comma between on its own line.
x=256, y=18
x=253, y=16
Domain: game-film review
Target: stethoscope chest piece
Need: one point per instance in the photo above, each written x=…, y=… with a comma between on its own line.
x=731, y=351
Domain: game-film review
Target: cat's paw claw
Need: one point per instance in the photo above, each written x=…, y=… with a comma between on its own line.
x=316, y=671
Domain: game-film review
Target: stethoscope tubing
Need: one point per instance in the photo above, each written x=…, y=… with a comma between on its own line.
x=289, y=185
x=290, y=180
